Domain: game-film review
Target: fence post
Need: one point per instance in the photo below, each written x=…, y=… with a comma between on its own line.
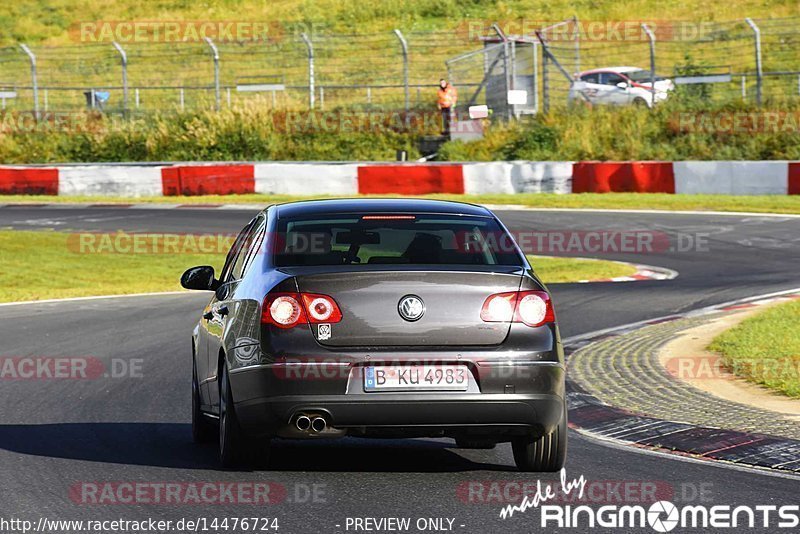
x=535, y=77
x=404, y=46
x=652, y=39
x=310, y=48
x=545, y=82
x=759, y=71
x=32, y=58
x=215, y=56
x=124, y=58
x=545, y=72
x=577, y=35
x=506, y=70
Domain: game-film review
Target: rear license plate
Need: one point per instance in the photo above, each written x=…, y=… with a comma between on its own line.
x=416, y=378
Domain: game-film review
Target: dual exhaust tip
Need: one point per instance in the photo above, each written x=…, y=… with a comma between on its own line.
x=305, y=423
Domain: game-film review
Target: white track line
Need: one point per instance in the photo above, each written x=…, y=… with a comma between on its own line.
x=494, y=207
x=627, y=447
x=515, y=207
x=693, y=313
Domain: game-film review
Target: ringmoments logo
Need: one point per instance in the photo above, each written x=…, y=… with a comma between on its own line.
x=660, y=516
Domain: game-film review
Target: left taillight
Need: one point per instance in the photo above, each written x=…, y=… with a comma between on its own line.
x=532, y=308
x=287, y=310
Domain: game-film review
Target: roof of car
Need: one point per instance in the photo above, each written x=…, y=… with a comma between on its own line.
x=379, y=205
x=612, y=69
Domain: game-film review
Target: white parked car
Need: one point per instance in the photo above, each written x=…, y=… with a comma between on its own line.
x=619, y=86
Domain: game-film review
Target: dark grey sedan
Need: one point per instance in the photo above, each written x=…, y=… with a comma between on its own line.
x=378, y=318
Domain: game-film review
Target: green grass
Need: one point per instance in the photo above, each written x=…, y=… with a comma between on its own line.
x=789, y=204
x=51, y=265
x=765, y=348
x=254, y=132
x=50, y=20
x=678, y=130
x=563, y=270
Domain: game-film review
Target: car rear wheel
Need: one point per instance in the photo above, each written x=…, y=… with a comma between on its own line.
x=547, y=453
x=202, y=430
x=640, y=102
x=230, y=435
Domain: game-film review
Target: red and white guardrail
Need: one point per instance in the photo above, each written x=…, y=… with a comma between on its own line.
x=350, y=178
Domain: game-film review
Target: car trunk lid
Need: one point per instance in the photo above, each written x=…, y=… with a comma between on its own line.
x=370, y=300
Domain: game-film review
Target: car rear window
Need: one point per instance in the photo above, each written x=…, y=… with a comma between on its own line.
x=642, y=76
x=393, y=239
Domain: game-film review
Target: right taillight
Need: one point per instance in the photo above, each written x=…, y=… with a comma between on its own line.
x=532, y=308
x=321, y=308
x=287, y=310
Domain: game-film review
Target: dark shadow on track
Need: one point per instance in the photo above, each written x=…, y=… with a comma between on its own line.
x=170, y=445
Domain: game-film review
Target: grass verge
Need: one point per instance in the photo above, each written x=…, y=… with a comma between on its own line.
x=563, y=270
x=47, y=265
x=789, y=204
x=765, y=348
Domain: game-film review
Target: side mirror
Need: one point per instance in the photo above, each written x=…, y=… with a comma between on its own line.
x=201, y=278
x=622, y=85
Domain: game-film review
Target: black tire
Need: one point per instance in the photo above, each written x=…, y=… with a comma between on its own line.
x=546, y=454
x=202, y=429
x=640, y=102
x=230, y=435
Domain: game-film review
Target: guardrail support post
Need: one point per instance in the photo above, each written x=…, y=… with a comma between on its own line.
x=215, y=56
x=652, y=39
x=759, y=70
x=310, y=48
x=404, y=47
x=32, y=58
x=124, y=59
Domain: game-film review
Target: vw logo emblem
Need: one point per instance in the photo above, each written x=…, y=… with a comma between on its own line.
x=411, y=308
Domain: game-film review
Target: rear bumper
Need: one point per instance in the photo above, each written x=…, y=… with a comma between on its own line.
x=532, y=413
x=528, y=398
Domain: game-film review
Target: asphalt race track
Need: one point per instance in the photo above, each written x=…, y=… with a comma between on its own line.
x=58, y=433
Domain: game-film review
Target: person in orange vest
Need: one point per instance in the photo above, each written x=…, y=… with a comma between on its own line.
x=447, y=97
